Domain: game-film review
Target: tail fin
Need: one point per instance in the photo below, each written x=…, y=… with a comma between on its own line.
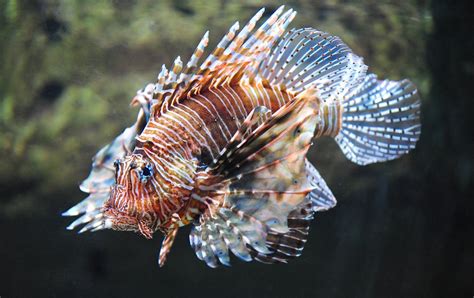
x=381, y=120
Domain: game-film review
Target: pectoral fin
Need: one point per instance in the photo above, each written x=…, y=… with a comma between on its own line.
x=257, y=183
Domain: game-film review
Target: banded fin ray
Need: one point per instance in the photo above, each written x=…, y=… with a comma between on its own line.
x=289, y=245
x=226, y=229
x=381, y=121
x=235, y=59
x=305, y=58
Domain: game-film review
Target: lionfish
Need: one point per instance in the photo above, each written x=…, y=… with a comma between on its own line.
x=222, y=145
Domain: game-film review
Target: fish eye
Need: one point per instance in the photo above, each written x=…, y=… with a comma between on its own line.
x=145, y=173
x=116, y=164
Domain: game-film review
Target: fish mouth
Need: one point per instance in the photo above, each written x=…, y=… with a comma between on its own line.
x=121, y=221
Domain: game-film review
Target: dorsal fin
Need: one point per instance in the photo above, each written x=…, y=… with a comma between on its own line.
x=236, y=58
x=306, y=58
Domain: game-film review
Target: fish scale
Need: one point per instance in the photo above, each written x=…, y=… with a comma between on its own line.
x=222, y=144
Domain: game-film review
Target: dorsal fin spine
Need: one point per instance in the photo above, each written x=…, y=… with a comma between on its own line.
x=263, y=28
x=238, y=41
x=269, y=38
x=192, y=63
x=235, y=60
x=160, y=82
x=172, y=78
x=209, y=62
x=177, y=66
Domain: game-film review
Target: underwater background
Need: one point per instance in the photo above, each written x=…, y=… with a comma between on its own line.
x=68, y=70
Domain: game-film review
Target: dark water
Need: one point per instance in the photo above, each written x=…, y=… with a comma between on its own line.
x=400, y=229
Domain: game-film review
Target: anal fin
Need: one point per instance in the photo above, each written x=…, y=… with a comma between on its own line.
x=321, y=196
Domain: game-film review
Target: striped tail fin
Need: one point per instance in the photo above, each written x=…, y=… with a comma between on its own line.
x=381, y=120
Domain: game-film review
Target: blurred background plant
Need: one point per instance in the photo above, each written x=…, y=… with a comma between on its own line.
x=68, y=70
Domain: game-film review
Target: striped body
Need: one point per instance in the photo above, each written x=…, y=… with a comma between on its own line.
x=209, y=120
x=191, y=135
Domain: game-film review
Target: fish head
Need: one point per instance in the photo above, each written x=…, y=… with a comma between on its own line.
x=129, y=207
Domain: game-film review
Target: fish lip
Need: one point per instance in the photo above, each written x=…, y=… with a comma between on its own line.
x=108, y=223
x=119, y=220
x=119, y=188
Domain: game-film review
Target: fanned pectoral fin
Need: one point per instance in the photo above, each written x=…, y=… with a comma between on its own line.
x=285, y=246
x=227, y=229
x=257, y=183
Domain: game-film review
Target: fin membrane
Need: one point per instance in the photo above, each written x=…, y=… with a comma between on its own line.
x=285, y=246
x=229, y=230
x=381, y=121
x=289, y=245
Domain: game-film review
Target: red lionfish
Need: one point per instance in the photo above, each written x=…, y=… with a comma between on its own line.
x=223, y=144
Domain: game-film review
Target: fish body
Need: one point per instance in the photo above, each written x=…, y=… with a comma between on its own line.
x=223, y=145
